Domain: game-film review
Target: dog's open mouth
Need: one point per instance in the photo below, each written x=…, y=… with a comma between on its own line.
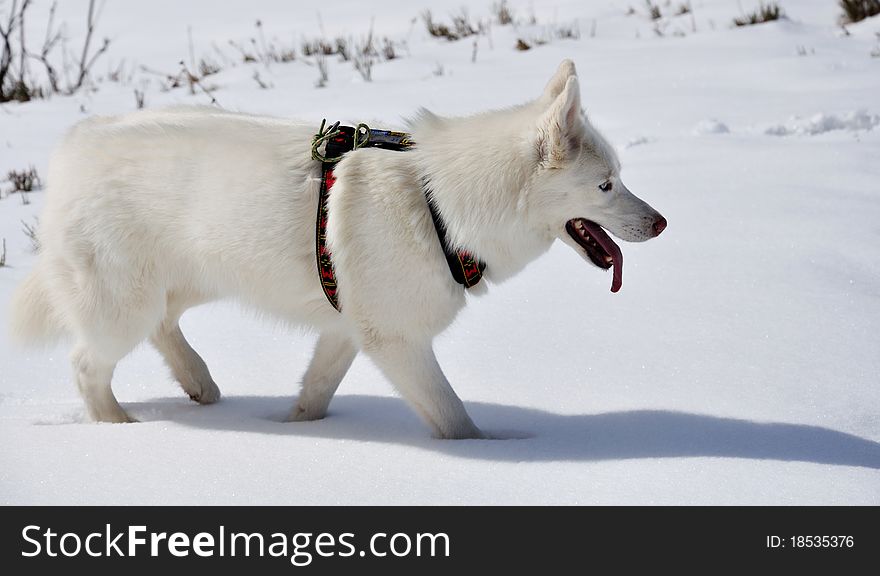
x=598, y=246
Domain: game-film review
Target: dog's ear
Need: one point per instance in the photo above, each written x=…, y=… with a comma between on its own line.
x=554, y=88
x=559, y=127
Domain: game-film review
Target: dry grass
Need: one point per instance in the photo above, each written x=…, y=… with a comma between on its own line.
x=503, y=13
x=858, y=10
x=764, y=13
x=460, y=27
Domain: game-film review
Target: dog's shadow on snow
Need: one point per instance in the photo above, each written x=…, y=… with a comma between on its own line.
x=535, y=435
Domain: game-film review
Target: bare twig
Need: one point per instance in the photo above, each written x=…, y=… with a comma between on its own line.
x=3, y=254
x=6, y=53
x=139, y=97
x=263, y=85
x=246, y=56
x=49, y=43
x=323, y=74
x=173, y=81
x=195, y=82
x=90, y=29
x=86, y=62
x=22, y=65
x=363, y=63
x=263, y=49
x=363, y=58
x=30, y=230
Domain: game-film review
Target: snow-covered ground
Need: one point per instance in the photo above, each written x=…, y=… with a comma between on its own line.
x=739, y=364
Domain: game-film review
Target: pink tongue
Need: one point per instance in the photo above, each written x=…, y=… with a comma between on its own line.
x=613, y=250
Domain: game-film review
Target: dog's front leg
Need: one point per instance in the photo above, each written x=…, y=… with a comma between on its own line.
x=415, y=373
x=333, y=356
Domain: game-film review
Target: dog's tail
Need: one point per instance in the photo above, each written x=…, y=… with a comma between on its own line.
x=33, y=317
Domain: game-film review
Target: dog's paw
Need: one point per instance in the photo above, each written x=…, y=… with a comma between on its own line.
x=114, y=416
x=469, y=432
x=204, y=392
x=302, y=414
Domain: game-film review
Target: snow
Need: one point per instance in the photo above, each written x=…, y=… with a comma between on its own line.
x=821, y=123
x=738, y=365
x=710, y=126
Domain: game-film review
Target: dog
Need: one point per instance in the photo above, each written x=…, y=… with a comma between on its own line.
x=152, y=213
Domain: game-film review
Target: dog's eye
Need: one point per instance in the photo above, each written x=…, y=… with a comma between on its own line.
x=605, y=186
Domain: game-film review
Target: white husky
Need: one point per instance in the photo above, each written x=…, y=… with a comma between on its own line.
x=153, y=213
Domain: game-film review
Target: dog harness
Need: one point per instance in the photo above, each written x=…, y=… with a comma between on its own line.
x=465, y=269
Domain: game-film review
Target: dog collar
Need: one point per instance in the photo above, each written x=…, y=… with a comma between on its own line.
x=465, y=269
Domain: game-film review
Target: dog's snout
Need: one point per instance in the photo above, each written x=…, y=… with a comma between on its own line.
x=659, y=225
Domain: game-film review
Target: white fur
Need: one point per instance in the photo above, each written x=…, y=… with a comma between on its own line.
x=155, y=212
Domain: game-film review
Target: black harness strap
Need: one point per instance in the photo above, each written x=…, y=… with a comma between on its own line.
x=465, y=269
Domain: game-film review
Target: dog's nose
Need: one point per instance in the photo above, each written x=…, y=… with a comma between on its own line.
x=659, y=225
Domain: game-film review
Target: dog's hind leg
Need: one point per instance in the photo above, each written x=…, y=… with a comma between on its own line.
x=415, y=373
x=109, y=310
x=186, y=365
x=333, y=356
x=93, y=375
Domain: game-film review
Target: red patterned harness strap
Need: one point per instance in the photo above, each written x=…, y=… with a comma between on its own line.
x=465, y=269
x=325, y=265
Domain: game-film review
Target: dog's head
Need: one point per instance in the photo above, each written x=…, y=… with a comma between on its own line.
x=576, y=188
